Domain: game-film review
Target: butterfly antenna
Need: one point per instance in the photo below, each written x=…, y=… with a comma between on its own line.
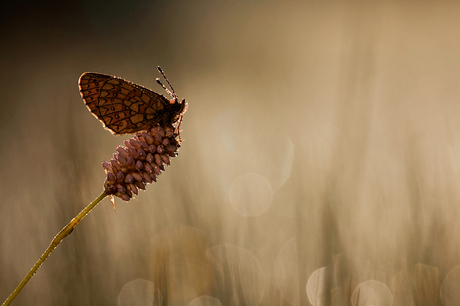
x=166, y=89
x=172, y=92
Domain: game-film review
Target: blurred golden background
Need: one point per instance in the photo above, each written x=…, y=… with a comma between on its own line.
x=320, y=164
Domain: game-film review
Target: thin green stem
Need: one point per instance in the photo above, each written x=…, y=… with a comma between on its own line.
x=54, y=243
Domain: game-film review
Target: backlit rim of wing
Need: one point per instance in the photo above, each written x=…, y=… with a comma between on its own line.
x=122, y=106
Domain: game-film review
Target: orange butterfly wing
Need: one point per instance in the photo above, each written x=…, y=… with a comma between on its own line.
x=123, y=107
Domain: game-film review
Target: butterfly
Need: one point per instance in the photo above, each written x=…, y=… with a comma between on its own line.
x=125, y=108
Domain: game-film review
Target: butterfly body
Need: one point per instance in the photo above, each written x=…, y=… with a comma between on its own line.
x=124, y=107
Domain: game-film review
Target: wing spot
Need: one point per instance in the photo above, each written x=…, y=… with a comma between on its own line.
x=108, y=86
x=134, y=107
x=137, y=118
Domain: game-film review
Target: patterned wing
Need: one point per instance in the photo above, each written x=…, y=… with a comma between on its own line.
x=123, y=107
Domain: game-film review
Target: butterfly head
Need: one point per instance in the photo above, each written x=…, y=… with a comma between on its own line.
x=178, y=109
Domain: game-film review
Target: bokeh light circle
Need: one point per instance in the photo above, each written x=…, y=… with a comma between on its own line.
x=137, y=292
x=251, y=194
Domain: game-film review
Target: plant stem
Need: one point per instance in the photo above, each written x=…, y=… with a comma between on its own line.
x=54, y=243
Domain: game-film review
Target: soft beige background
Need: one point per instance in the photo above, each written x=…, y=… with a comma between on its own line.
x=322, y=146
